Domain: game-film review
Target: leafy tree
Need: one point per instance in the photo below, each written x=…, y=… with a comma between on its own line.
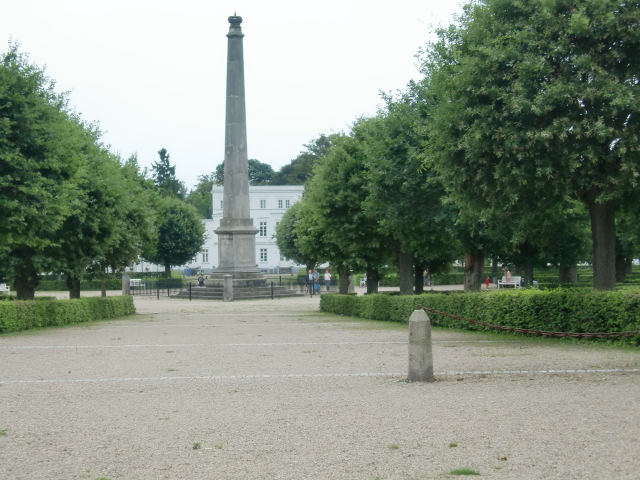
x=164, y=176
x=40, y=154
x=181, y=234
x=200, y=197
x=536, y=101
x=300, y=169
x=333, y=226
x=405, y=198
x=287, y=237
x=259, y=173
x=136, y=229
x=113, y=221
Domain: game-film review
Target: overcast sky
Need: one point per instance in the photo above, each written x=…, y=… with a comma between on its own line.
x=152, y=73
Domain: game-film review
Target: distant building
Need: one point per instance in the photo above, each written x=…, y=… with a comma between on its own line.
x=267, y=206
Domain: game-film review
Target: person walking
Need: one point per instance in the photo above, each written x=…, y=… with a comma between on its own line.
x=327, y=279
x=310, y=282
x=316, y=281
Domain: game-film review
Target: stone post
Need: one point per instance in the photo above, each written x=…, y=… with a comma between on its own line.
x=420, y=348
x=227, y=292
x=126, y=285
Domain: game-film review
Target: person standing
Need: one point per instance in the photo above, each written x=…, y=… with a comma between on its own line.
x=327, y=279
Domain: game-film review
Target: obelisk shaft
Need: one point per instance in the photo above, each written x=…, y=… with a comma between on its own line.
x=236, y=233
x=236, y=167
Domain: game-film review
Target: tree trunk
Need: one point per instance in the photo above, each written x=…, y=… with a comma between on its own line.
x=24, y=289
x=343, y=284
x=167, y=271
x=527, y=274
x=418, y=281
x=26, y=279
x=621, y=262
x=103, y=288
x=621, y=268
x=372, y=280
x=73, y=285
x=603, y=234
x=405, y=272
x=494, y=268
x=473, y=264
x=568, y=274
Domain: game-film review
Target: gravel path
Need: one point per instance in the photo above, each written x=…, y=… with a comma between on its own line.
x=277, y=390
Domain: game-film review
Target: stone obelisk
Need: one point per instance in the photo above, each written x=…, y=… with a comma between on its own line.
x=236, y=233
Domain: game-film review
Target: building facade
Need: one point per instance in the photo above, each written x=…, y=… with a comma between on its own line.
x=267, y=206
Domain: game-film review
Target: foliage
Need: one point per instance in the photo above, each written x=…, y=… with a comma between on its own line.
x=164, y=176
x=41, y=151
x=287, y=237
x=70, y=205
x=574, y=310
x=535, y=102
x=201, y=198
x=300, y=169
x=259, y=173
x=333, y=226
x=180, y=234
x=406, y=199
x=21, y=315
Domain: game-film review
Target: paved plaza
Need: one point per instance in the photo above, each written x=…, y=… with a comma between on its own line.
x=274, y=389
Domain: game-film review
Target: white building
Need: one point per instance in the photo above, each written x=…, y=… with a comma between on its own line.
x=267, y=206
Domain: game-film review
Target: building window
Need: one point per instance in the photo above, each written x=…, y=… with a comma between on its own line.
x=220, y=204
x=205, y=255
x=287, y=203
x=263, y=254
x=279, y=203
x=263, y=229
x=263, y=204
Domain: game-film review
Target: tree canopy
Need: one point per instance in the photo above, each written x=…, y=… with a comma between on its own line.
x=536, y=101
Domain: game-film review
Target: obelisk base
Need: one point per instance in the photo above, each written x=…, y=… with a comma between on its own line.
x=237, y=253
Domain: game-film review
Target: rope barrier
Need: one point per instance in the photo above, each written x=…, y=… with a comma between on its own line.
x=532, y=331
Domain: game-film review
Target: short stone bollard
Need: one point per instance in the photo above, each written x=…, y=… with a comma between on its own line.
x=420, y=349
x=126, y=285
x=227, y=289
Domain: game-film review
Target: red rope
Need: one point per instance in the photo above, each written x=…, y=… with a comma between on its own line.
x=535, y=332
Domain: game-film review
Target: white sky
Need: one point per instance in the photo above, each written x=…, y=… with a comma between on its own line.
x=152, y=73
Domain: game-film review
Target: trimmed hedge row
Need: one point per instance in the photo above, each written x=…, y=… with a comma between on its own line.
x=51, y=285
x=25, y=315
x=580, y=311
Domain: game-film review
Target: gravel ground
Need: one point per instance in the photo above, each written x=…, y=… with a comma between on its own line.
x=276, y=390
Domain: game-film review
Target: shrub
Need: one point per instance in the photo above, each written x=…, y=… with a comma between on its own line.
x=25, y=315
x=575, y=310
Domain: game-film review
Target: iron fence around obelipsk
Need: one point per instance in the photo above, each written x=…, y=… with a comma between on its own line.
x=156, y=287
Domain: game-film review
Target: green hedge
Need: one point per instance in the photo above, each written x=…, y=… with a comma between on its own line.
x=580, y=311
x=56, y=285
x=25, y=315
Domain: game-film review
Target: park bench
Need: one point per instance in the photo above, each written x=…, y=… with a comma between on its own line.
x=136, y=283
x=4, y=288
x=514, y=283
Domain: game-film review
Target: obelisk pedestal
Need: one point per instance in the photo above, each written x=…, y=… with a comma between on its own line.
x=236, y=233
